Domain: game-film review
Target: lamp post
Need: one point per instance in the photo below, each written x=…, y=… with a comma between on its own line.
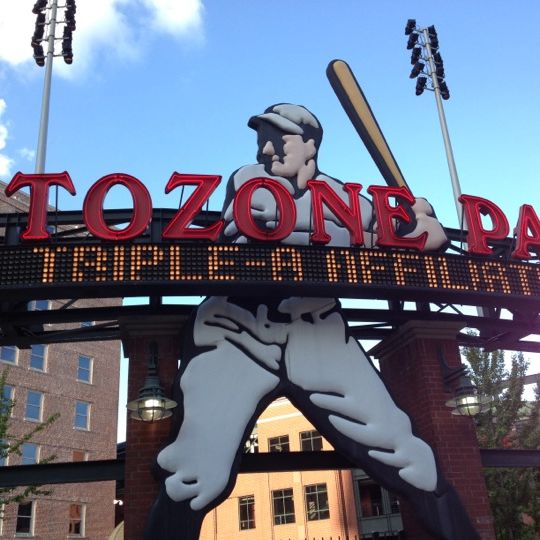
x=428, y=67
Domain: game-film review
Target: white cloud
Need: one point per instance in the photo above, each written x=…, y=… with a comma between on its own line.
x=103, y=26
x=5, y=162
x=176, y=17
x=27, y=154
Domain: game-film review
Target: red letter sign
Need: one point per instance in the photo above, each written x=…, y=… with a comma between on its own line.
x=39, y=195
x=179, y=225
x=349, y=216
x=527, y=221
x=477, y=236
x=386, y=213
x=286, y=210
x=93, y=207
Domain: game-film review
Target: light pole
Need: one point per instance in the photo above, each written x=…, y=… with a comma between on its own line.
x=424, y=43
x=46, y=12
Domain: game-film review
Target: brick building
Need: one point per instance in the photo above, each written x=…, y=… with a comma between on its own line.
x=80, y=382
x=301, y=505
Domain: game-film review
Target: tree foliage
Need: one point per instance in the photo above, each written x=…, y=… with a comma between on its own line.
x=510, y=423
x=12, y=445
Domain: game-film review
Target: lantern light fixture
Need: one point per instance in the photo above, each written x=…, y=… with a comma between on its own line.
x=466, y=401
x=152, y=404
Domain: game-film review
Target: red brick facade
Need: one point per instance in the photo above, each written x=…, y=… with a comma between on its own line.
x=61, y=389
x=412, y=370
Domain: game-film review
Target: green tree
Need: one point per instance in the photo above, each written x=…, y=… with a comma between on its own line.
x=12, y=445
x=510, y=423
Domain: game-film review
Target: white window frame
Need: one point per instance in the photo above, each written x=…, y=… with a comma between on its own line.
x=26, y=417
x=90, y=369
x=15, y=361
x=88, y=409
x=45, y=349
x=32, y=519
x=83, y=521
x=36, y=454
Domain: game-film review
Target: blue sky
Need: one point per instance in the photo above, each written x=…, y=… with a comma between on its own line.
x=160, y=85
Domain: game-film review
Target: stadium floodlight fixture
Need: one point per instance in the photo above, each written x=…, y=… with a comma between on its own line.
x=413, y=39
x=410, y=27
x=417, y=69
x=416, y=55
x=39, y=6
x=420, y=85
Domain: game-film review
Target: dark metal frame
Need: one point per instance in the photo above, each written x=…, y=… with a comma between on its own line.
x=114, y=469
x=23, y=328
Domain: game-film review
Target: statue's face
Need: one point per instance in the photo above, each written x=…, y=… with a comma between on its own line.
x=283, y=154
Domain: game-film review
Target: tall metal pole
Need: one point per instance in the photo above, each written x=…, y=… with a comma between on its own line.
x=44, y=120
x=444, y=128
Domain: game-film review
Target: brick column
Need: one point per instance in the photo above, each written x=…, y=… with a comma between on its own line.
x=144, y=439
x=410, y=366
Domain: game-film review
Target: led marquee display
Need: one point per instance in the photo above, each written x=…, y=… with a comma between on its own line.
x=242, y=268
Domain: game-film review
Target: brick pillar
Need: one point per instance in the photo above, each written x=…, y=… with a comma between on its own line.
x=144, y=439
x=410, y=366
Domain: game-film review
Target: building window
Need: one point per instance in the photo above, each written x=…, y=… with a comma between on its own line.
x=316, y=502
x=375, y=500
x=310, y=441
x=8, y=353
x=25, y=519
x=246, y=510
x=4, y=447
x=283, y=503
x=278, y=444
x=82, y=414
x=7, y=400
x=29, y=454
x=84, y=369
x=37, y=357
x=34, y=401
x=76, y=520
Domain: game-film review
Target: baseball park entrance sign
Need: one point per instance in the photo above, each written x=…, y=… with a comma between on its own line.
x=189, y=259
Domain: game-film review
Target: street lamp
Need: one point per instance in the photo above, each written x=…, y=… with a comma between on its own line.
x=152, y=404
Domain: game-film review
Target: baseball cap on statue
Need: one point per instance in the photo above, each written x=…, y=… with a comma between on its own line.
x=293, y=119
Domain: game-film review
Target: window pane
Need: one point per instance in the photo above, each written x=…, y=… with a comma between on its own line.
x=33, y=405
x=75, y=519
x=278, y=444
x=283, y=504
x=310, y=441
x=81, y=414
x=84, y=369
x=29, y=454
x=24, y=518
x=246, y=509
x=37, y=357
x=317, y=502
x=6, y=403
x=4, y=445
x=8, y=353
x=371, y=500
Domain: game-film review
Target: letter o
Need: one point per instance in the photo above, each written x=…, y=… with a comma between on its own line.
x=95, y=198
x=285, y=205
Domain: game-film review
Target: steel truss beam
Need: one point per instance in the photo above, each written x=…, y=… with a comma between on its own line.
x=113, y=469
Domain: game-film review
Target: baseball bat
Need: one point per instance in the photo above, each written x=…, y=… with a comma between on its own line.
x=359, y=112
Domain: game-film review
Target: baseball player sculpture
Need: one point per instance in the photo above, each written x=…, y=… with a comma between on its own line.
x=243, y=352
